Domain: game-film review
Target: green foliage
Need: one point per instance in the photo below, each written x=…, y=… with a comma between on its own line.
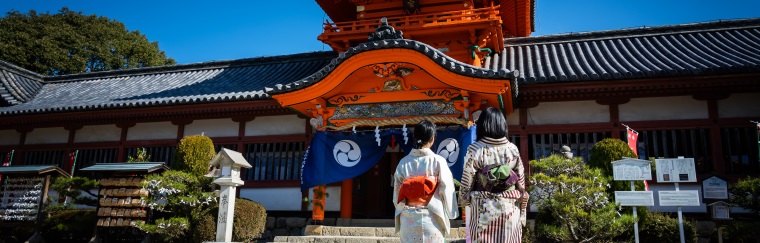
x=73, y=188
x=141, y=156
x=69, y=225
x=746, y=194
x=608, y=150
x=740, y=232
x=574, y=197
x=170, y=229
x=250, y=222
x=206, y=229
x=193, y=154
x=183, y=197
x=659, y=227
x=70, y=42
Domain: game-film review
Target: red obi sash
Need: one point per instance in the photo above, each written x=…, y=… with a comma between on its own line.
x=417, y=190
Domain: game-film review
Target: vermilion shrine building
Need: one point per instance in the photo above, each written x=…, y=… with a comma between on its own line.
x=690, y=90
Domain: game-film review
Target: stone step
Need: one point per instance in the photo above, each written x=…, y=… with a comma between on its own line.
x=347, y=239
x=321, y=230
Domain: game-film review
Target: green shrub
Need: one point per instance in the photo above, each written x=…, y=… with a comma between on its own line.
x=746, y=194
x=193, y=154
x=250, y=222
x=573, y=205
x=69, y=225
x=608, y=150
x=659, y=227
x=740, y=232
x=205, y=229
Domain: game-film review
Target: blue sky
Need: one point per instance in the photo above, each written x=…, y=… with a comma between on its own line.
x=199, y=31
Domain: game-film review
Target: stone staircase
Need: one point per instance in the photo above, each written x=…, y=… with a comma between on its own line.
x=360, y=231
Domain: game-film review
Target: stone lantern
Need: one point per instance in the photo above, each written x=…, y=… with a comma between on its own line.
x=227, y=163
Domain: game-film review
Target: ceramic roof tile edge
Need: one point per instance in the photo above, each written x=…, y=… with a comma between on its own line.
x=17, y=85
x=636, y=32
x=439, y=57
x=155, y=102
x=264, y=60
x=19, y=70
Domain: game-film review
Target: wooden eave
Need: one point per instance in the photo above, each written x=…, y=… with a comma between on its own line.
x=240, y=109
x=620, y=91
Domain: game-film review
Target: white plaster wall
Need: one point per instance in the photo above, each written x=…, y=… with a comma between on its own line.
x=514, y=118
x=332, y=203
x=47, y=135
x=702, y=208
x=100, y=133
x=279, y=199
x=9, y=137
x=663, y=108
x=568, y=112
x=740, y=105
x=275, y=125
x=152, y=130
x=213, y=128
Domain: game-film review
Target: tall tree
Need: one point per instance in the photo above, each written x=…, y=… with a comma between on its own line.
x=70, y=42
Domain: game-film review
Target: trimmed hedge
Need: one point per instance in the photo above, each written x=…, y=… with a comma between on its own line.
x=608, y=150
x=250, y=222
x=72, y=225
x=659, y=227
x=193, y=154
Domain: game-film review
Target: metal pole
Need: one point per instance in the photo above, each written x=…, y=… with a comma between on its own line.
x=680, y=219
x=635, y=221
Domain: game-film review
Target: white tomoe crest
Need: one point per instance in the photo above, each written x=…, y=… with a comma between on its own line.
x=449, y=149
x=347, y=153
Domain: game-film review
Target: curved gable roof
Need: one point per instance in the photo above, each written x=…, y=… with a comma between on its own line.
x=17, y=85
x=434, y=54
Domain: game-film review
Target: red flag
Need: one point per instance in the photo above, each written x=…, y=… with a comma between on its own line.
x=646, y=185
x=72, y=163
x=633, y=138
x=7, y=161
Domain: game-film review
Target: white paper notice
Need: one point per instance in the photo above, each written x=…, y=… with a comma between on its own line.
x=676, y=170
x=631, y=170
x=634, y=198
x=679, y=198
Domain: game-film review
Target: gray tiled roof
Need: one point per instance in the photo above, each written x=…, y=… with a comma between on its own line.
x=171, y=85
x=32, y=169
x=145, y=167
x=723, y=47
x=17, y=85
x=439, y=57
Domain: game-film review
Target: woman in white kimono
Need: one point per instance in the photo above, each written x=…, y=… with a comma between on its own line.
x=423, y=191
x=493, y=183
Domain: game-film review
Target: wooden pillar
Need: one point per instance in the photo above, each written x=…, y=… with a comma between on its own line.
x=19, y=156
x=615, y=120
x=346, y=198
x=318, y=207
x=124, y=129
x=524, y=139
x=716, y=143
x=181, y=127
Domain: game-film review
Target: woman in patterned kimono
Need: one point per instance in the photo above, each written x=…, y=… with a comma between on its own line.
x=423, y=191
x=493, y=183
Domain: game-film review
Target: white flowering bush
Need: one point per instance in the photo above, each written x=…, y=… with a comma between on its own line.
x=573, y=203
x=179, y=196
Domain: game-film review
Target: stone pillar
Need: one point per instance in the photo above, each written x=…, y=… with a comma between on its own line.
x=226, y=214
